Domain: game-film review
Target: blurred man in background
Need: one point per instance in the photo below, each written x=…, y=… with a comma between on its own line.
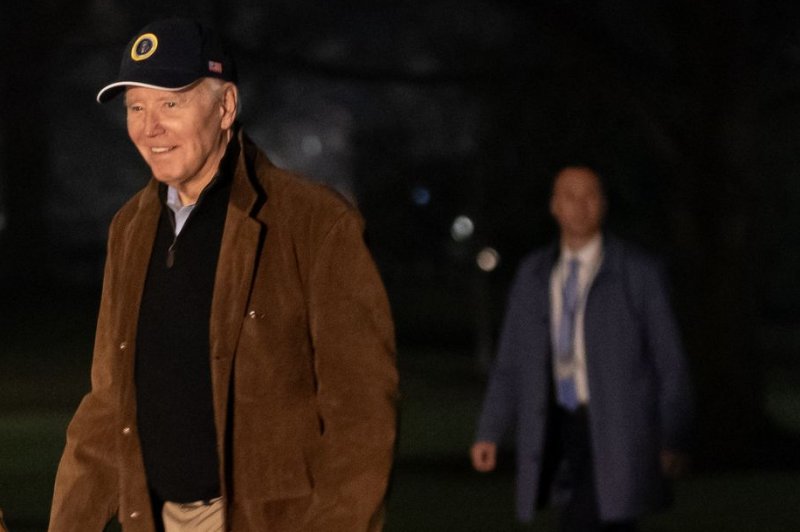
x=243, y=374
x=590, y=365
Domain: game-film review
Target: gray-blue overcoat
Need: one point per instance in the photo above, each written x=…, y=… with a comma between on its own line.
x=640, y=400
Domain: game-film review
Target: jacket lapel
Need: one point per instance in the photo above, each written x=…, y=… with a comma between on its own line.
x=137, y=241
x=239, y=251
x=138, y=246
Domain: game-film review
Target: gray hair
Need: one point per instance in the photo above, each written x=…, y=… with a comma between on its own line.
x=216, y=87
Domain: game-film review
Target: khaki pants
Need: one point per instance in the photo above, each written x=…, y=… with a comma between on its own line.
x=194, y=516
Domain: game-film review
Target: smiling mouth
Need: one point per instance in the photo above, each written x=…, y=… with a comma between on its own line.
x=160, y=149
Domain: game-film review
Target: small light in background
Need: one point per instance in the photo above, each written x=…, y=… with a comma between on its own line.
x=421, y=196
x=487, y=259
x=462, y=228
x=311, y=145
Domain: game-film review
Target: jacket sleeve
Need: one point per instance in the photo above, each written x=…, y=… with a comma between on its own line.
x=499, y=410
x=664, y=344
x=86, y=489
x=353, y=340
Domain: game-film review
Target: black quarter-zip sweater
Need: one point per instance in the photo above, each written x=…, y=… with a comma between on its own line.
x=175, y=412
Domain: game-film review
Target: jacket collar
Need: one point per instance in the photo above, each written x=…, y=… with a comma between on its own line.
x=246, y=196
x=241, y=241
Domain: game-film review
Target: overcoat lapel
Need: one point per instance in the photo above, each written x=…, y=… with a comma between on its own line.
x=544, y=270
x=611, y=260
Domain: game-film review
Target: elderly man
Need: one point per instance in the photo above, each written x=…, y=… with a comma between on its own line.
x=243, y=375
x=590, y=360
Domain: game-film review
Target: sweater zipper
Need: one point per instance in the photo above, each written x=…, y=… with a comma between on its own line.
x=171, y=249
x=171, y=254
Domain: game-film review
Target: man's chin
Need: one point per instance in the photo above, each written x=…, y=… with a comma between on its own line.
x=585, y=233
x=167, y=179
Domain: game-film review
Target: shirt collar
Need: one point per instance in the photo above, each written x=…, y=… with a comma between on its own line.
x=174, y=199
x=589, y=254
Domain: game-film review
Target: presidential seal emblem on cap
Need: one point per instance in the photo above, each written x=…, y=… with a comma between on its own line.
x=144, y=46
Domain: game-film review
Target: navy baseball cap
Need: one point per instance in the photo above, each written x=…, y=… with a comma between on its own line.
x=171, y=54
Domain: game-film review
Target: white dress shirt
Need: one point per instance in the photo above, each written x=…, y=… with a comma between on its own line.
x=590, y=257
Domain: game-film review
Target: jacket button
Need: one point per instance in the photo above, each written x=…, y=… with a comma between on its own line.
x=126, y=430
x=123, y=346
x=135, y=514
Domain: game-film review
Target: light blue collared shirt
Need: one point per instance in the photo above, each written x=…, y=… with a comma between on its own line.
x=181, y=211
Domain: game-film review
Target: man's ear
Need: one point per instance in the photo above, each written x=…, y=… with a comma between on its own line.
x=229, y=104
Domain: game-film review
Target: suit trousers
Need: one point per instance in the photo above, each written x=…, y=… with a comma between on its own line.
x=579, y=512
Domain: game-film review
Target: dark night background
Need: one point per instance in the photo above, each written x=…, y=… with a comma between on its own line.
x=423, y=111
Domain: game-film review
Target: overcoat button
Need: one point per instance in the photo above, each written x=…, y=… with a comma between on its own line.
x=135, y=515
x=123, y=346
x=252, y=314
x=126, y=430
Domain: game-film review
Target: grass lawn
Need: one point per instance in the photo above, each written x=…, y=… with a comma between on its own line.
x=433, y=487
x=429, y=493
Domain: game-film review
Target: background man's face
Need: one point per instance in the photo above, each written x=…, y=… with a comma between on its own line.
x=178, y=134
x=578, y=204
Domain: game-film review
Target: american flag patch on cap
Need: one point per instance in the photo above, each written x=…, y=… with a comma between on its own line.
x=215, y=66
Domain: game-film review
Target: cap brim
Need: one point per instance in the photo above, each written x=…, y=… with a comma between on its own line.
x=111, y=90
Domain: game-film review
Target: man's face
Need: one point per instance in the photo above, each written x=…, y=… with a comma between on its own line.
x=180, y=135
x=578, y=204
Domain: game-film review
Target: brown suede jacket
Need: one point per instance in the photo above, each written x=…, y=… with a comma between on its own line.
x=302, y=359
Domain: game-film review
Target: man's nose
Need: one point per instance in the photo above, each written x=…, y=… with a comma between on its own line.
x=152, y=124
